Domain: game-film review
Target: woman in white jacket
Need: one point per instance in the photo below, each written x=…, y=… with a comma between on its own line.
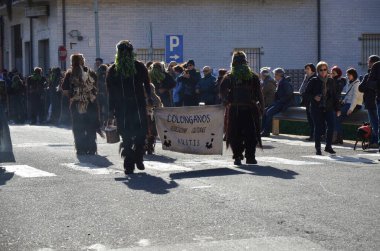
x=352, y=101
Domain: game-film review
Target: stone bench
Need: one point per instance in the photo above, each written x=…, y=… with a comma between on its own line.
x=299, y=114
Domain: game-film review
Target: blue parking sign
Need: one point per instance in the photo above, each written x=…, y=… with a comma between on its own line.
x=174, y=48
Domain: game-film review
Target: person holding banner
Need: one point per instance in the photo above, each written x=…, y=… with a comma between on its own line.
x=241, y=93
x=128, y=85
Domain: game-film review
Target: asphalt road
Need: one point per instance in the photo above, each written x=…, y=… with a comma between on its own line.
x=292, y=200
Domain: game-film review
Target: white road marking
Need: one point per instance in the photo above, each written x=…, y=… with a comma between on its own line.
x=346, y=159
x=143, y=243
x=26, y=171
x=283, y=161
x=211, y=162
x=88, y=168
x=165, y=167
x=201, y=187
x=294, y=142
x=274, y=160
x=40, y=144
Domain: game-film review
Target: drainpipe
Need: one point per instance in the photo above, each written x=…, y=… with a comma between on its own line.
x=31, y=44
x=1, y=43
x=319, y=29
x=96, y=12
x=63, y=64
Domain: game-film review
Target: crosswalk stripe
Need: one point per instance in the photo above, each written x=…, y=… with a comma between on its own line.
x=287, y=161
x=346, y=159
x=26, y=171
x=293, y=142
x=165, y=167
x=88, y=168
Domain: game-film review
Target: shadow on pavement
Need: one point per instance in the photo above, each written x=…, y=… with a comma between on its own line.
x=159, y=158
x=269, y=171
x=96, y=160
x=4, y=176
x=205, y=173
x=148, y=183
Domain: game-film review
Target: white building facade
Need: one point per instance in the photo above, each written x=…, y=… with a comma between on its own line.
x=275, y=33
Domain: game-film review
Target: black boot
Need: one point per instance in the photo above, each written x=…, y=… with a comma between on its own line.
x=251, y=161
x=318, y=152
x=237, y=162
x=129, y=167
x=330, y=150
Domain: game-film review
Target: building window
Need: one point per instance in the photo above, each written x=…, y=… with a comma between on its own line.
x=253, y=56
x=146, y=55
x=370, y=46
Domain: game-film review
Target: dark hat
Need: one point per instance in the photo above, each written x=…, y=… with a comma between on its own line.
x=124, y=45
x=99, y=59
x=191, y=61
x=239, y=58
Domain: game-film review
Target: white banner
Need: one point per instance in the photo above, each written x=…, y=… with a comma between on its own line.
x=195, y=129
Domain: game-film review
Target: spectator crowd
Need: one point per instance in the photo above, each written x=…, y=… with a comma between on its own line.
x=328, y=95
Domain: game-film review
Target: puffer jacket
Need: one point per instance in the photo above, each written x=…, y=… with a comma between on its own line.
x=353, y=95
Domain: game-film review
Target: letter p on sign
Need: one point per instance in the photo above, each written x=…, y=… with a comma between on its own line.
x=174, y=42
x=174, y=48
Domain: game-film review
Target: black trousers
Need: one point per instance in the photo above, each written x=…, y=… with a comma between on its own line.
x=322, y=118
x=310, y=121
x=55, y=98
x=84, y=129
x=133, y=129
x=242, y=135
x=37, y=107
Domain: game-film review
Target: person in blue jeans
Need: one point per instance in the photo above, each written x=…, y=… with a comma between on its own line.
x=369, y=98
x=282, y=100
x=323, y=94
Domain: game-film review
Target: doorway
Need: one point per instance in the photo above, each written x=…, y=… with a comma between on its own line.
x=43, y=56
x=16, y=48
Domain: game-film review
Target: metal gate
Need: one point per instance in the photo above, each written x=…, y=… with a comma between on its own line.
x=146, y=55
x=253, y=56
x=370, y=46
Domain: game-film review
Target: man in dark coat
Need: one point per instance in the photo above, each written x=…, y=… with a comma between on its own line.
x=55, y=94
x=374, y=84
x=310, y=72
x=206, y=87
x=36, y=84
x=369, y=98
x=190, y=79
x=241, y=92
x=102, y=92
x=128, y=86
x=283, y=99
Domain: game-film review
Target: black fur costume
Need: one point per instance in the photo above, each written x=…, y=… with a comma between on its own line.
x=127, y=102
x=84, y=112
x=244, y=100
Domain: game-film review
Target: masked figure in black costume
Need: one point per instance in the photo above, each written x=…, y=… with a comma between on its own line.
x=241, y=93
x=128, y=88
x=80, y=85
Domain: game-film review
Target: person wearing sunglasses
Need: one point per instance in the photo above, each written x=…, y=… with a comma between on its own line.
x=322, y=92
